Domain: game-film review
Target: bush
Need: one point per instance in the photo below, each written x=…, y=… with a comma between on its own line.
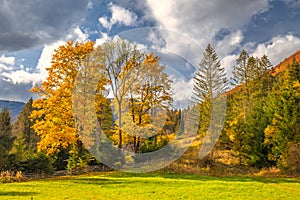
x=291, y=159
x=10, y=176
x=39, y=164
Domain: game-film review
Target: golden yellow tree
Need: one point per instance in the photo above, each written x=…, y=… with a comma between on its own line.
x=149, y=99
x=53, y=117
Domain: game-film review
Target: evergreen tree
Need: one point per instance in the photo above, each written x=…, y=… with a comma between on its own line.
x=283, y=112
x=209, y=84
x=22, y=128
x=246, y=120
x=240, y=75
x=6, y=139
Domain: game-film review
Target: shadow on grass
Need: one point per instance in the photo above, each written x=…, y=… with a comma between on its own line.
x=15, y=193
x=97, y=181
x=125, y=178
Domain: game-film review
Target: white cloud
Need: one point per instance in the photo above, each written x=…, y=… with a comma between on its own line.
x=4, y=67
x=9, y=60
x=45, y=59
x=183, y=91
x=202, y=20
x=104, y=22
x=7, y=63
x=229, y=43
x=228, y=62
x=164, y=12
x=278, y=48
x=79, y=35
x=119, y=15
x=104, y=38
x=21, y=77
x=122, y=16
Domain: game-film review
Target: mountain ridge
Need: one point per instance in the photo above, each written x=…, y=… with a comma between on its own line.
x=14, y=107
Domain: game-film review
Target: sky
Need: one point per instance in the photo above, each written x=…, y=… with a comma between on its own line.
x=176, y=30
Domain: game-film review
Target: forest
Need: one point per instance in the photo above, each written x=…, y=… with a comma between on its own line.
x=57, y=130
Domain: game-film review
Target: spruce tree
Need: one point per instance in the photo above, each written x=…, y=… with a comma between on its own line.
x=283, y=112
x=22, y=127
x=6, y=139
x=210, y=84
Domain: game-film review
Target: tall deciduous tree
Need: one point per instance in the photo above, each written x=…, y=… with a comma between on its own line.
x=53, y=115
x=122, y=62
x=149, y=97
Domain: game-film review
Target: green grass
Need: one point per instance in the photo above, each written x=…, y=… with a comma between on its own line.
x=117, y=185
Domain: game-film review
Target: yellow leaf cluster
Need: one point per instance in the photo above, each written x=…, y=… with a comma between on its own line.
x=53, y=117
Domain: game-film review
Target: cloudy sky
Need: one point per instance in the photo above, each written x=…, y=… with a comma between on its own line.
x=176, y=30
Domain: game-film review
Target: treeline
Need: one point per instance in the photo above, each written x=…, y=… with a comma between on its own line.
x=60, y=125
x=18, y=144
x=58, y=130
x=263, y=121
x=262, y=126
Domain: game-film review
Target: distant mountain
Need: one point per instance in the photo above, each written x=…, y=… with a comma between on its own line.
x=14, y=108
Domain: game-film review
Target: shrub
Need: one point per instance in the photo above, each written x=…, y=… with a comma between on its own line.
x=291, y=159
x=39, y=164
x=10, y=176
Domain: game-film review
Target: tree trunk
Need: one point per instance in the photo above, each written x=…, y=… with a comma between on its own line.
x=120, y=124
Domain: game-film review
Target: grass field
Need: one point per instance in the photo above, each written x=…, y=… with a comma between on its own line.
x=117, y=185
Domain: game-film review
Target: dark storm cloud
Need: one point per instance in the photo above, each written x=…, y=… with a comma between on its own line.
x=26, y=24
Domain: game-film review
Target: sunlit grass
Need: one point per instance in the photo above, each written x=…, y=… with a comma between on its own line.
x=116, y=185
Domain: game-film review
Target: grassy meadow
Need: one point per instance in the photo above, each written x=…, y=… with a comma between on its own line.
x=117, y=185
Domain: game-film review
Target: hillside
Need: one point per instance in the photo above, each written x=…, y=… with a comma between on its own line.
x=283, y=64
x=275, y=70
x=14, y=107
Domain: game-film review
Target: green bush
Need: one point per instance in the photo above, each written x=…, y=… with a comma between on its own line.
x=39, y=164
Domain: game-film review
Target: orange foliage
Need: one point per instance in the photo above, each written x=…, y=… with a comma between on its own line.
x=53, y=117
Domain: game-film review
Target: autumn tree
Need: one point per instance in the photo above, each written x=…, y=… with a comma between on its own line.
x=122, y=60
x=149, y=98
x=90, y=102
x=53, y=114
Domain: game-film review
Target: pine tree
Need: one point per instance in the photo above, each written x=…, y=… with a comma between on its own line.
x=6, y=139
x=209, y=83
x=246, y=120
x=209, y=86
x=22, y=128
x=283, y=112
x=240, y=75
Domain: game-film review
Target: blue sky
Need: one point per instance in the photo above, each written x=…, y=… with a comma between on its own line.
x=31, y=30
